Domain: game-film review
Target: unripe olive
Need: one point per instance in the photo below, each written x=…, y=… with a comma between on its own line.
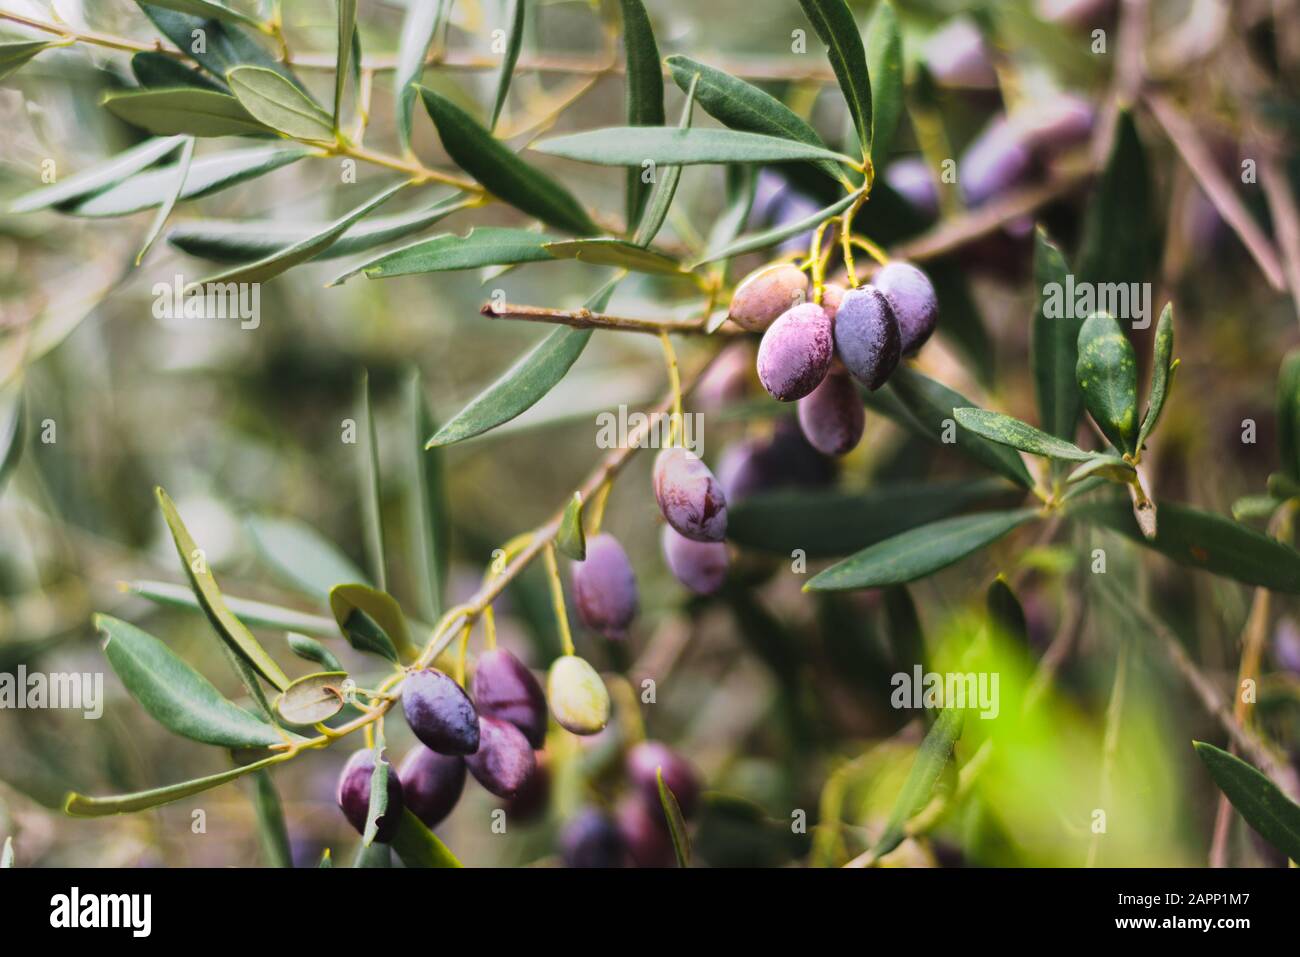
x=796, y=352
x=604, y=587
x=591, y=839
x=648, y=757
x=440, y=713
x=354, y=795
x=579, y=699
x=912, y=297
x=700, y=566
x=504, y=760
x=995, y=161
x=868, y=339
x=689, y=496
x=504, y=688
x=766, y=293
x=832, y=417
x=431, y=783
x=645, y=833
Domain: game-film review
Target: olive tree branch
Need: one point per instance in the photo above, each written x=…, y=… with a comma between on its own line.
x=586, y=319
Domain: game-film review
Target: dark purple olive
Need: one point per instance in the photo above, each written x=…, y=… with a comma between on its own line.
x=700, y=566
x=689, y=496
x=912, y=297
x=646, y=758
x=440, y=713
x=431, y=783
x=833, y=417
x=504, y=688
x=504, y=761
x=531, y=800
x=796, y=352
x=645, y=833
x=868, y=337
x=354, y=795
x=785, y=460
x=995, y=161
x=592, y=839
x=604, y=587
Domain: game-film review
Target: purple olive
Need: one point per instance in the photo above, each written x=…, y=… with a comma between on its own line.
x=1075, y=13
x=431, y=783
x=504, y=688
x=995, y=161
x=645, y=833
x=763, y=295
x=796, y=352
x=833, y=417
x=592, y=839
x=504, y=761
x=689, y=496
x=912, y=297
x=911, y=178
x=832, y=296
x=956, y=56
x=440, y=713
x=1286, y=645
x=1055, y=124
x=700, y=566
x=649, y=756
x=533, y=796
x=785, y=460
x=354, y=795
x=868, y=337
x=604, y=588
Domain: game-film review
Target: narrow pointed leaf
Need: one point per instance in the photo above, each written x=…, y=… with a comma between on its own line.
x=665, y=188
x=160, y=71
x=81, y=805
x=176, y=695
x=1288, y=415
x=301, y=556
x=1274, y=816
x=230, y=629
x=1010, y=431
x=312, y=650
x=169, y=202
x=931, y=758
x=1055, y=342
x=279, y=104
x=378, y=791
x=616, y=252
x=1105, y=465
x=514, y=41
x=1116, y=246
x=272, y=834
x=16, y=53
x=570, y=539
x=207, y=9
x=885, y=68
x=256, y=614
x=347, y=17
x=1107, y=377
x=418, y=29
x=428, y=510
x=13, y=432
x=1163, y=366
x=312, y=699
x=505, y=175
x=481, y=246
x=676, y=823
x=645, y=93
x=633, y=145
x=369, y=485
x=920, y=551
x=418, y=846
x=187, y=111
x=834, y=23
x=1006, y=614
x=372, y=620
x=770, y=237
x=225, y=46
x=97, y=178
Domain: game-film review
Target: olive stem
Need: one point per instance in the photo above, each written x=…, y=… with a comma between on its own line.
x=675, y=388
x=464, y=651
x=846, y=236
x=586, y=319
x=818, y=263
x=872, y=249
x=557, y=599
x=597, y=513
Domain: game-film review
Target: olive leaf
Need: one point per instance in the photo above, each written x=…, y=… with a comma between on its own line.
x=165, y=208
x=369, y=487
x=208, y=10
x=661, y=196
x=313, y=698
x=885, y=69
x=1006, y=614
x=207, y=175
x=481, y=246
x=301, y=556
x=742, y=106
x=634, y=145
x=13, y=431
x=225, y=45
x=418, y=846
x=372, y=620
x=475, y=150
x=1116, y=247
x=1113, y=468
x=276, y=102
x=919, y=551
x=188, y=111
x=347, y=19
x=834, y=23
x=7, y=854
x=272, y=834
x=255, y=613
x=418, y=30
x=570, y=539
x=429, y=534
x=1288, y=415
x=176, y=695
x=524, y=383
x=1010, y=431
x=81, y=805
x=1274, y=816
x=378, y=790
x=645, y=93
x=90, y=181
x=312, y=650
x=1107, y=377
x=931, y=758
x=1163, y=367
x=229, y=628
x=160, y=71
x=770, y=237
x=16, y=53
x=676, y=823
x=1054, y=351
x=615, y=252
x=515, y=17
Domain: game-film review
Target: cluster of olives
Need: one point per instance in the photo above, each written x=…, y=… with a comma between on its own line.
x=812, y=351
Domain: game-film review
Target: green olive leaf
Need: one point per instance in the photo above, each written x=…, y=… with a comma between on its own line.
x=482, y=246
x=81, y=805
x=1258, y=507
x=272, y=834
x=160, y=71
x=13, y=431
x=310, y=649
x=419, y=27
x=429, y=512
x=1107, y=377
x=165, y=208
x=1116, y=245
x=514, y=42
x=1054, y=351
x=570, y=539
x=931, y=758
x=418, y=846
x=225, y=46
x=885, y=68
x=378, y=790
x=1163, y=367
x=208, y=10
x=279, y=104
x=187, y=111
x=645, y=93
x=347, y=32
x=372, y=620
x=301, y=556
x=369, y=486
x=255, y=613
x=1113, y=468
x=665, y=146
x=770, y=237
x=618, y=253
x=96, y=178
x=1010, y=431
x=1288, y=415
x=834, y=23
x=676, y=823
x=1006, y=614
x=312, y=699
x=1274, y=816
x=661, y=196
x=15, y=54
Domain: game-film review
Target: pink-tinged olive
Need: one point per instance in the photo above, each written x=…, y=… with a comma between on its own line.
x=689, y=496
x=604, y=587
x=592, y=839
x=431, y=783
x=440, y=713
x=956, y=56
x=504, y=688
x=1055, y=124
x=504, y=761
x=912, y=179
x=649, y=756
x=912, y=297
x=832, y=296
x=796, y=352
x=993, y=163
x=645, y=833
x=868, y=338
x=833, y=417
x=766, y=293
x=534, y=795
x=700, y=566
x=579, y=699
x=353, y=795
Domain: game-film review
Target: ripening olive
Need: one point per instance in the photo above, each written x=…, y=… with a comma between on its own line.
x=766, y=293
x=354, y=795
x=645, y=833
x=504, y=688
x=689, y=496
x=868, y=338
x=912, y=297
x=604, y=587
x=648, y=757
x=832, y=417
x=996, y=160
x=431, y=783
x=440, y=713
x=796, y=352
x=700, y=566
x=504, y=760
x=591, y=839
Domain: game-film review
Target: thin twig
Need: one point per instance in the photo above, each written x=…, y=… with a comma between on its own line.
x=586, y=319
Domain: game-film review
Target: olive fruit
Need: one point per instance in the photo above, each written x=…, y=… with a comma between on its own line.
x=912, y=297
x=995, y=161
x=431, y=783
x=832, y=417
x=911, y=178
x=440, y=713
x=592, y=839
x=689, y=496
x=579, y=699
x=530, y=801
x=868, y=337
x=957, y=56
x=796, y=352
x=504, y=688
x=504, y=760
x=832, y=296
x=354, y=795
x=604, y=587
x=700, y=566
x=645, y=833
x=763, y=295
x=646, y=758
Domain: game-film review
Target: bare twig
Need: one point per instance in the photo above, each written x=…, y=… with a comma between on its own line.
x=586, y=319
